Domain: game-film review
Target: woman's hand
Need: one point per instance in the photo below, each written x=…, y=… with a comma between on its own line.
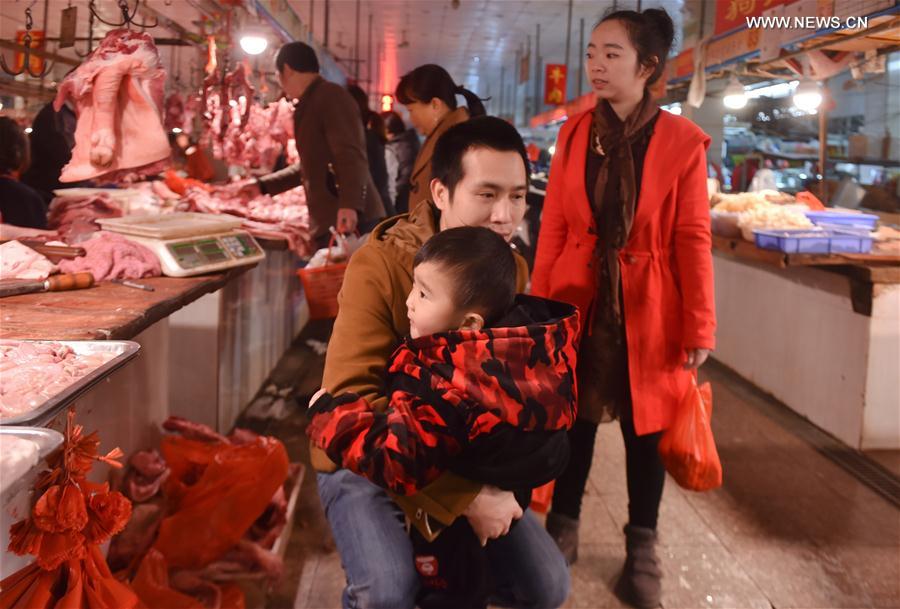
x=695, y=358
x=491, y=513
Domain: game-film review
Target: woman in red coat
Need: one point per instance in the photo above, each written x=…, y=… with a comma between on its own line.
x=625, y=237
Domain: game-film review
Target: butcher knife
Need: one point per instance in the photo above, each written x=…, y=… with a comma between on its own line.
x=55, y=283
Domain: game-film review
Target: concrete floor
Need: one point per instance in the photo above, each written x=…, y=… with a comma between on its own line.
x=788, y=529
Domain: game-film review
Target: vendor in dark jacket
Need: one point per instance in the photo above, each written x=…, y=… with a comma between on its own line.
x=52, y=139
x=483, y=387
x=331, y=141
x=20, y=205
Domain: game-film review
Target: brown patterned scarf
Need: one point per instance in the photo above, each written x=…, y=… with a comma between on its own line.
x=615, y=191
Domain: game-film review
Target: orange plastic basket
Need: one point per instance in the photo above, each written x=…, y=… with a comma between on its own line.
x=321, y=286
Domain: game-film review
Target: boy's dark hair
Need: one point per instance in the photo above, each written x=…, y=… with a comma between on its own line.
x=651, y=32
x=14, y=148
x=300, y=56
x=482, y=265
x=429, y=81
x=484, y=132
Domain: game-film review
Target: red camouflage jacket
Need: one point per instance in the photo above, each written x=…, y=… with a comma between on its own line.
x=456, y=392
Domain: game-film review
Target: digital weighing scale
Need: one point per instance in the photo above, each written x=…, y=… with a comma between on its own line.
x=190, y=244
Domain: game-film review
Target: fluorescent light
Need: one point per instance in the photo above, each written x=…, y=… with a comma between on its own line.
x=734, y=98
x=28, y=129
x=552, y=150
x=477, y=59
x=253, y=44
x=808, y=97
x=176, y=130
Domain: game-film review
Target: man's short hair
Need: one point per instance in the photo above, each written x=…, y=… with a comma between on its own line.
x=483, y=132
x=482, y=267
x=300, y=56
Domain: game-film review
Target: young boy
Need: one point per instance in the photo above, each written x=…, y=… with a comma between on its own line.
x=484, y=387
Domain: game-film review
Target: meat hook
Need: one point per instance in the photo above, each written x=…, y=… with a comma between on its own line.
x=26, y=54
x=127, y=15
x=90, y=47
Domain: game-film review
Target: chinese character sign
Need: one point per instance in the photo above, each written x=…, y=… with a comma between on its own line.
x=37, y=42
x=732, y=14
x=555, y=84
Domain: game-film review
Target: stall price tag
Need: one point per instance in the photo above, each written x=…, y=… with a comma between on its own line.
x=67, y=23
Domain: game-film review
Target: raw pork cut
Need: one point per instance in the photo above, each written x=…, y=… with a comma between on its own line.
x=19, y=261
x=34, y=372
x=284, y=216
x=74, y=217
x=112, y=256
x=118, y=97
x=147, y=472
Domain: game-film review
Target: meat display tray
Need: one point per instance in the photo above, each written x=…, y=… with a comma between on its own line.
x=47, y=440
x=122, y=350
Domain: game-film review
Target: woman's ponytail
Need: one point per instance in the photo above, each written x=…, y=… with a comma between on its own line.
x=475, y=103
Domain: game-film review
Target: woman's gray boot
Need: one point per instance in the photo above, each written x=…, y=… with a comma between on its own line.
x=564, y=531
x=641, y=582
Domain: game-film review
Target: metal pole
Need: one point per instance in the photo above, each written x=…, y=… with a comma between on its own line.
x=823, y=139
x=502, y=86
x=537, y=70
x=568, y=40
x=46, y=13
x=312, y=20
x=369, y=59
x=517, y=67
x=327, y=22
x=356, y=44
x=581, y=61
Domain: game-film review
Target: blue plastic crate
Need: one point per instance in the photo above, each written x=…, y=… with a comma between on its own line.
x=804, y=241
x=838, y=219
x=797, y=241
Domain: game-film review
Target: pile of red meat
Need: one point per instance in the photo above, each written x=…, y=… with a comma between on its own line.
x=239, y=129
x=74, y=217
x=112, y=256
x=200, y=510
x=284, y=216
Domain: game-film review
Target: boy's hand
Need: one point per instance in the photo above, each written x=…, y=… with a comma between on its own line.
x=316, y=396
x=491, y=513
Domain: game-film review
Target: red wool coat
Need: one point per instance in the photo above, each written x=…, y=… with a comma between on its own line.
x=667, y=272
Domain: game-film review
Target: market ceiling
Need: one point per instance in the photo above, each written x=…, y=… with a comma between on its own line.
x=474, y=39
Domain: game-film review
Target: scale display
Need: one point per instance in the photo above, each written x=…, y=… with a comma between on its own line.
x=195, y=253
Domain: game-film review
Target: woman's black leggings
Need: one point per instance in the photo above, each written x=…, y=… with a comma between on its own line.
x=645, y=472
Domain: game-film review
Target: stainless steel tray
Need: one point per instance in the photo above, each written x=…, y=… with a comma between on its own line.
x=47, y=440
x=123, y=351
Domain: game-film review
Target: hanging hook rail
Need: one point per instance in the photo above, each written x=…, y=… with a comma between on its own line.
x=90, y=40
x=128, y=15
x=26, y=61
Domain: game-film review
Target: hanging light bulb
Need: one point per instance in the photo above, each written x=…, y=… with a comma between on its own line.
x=808, y=96
x=734, y=98
x=254, y=43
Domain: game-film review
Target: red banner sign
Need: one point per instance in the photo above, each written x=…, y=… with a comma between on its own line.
x=37, y=42
x=732, y=14
x=555, y=84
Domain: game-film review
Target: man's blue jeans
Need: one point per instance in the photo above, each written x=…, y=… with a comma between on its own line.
x=377, y=555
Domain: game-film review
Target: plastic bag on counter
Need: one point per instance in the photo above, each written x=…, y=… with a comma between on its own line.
x=217, y=491
x=688, y=448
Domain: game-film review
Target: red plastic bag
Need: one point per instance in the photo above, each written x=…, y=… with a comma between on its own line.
x=688, y=448
x=542, y=497
x=218, y=490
